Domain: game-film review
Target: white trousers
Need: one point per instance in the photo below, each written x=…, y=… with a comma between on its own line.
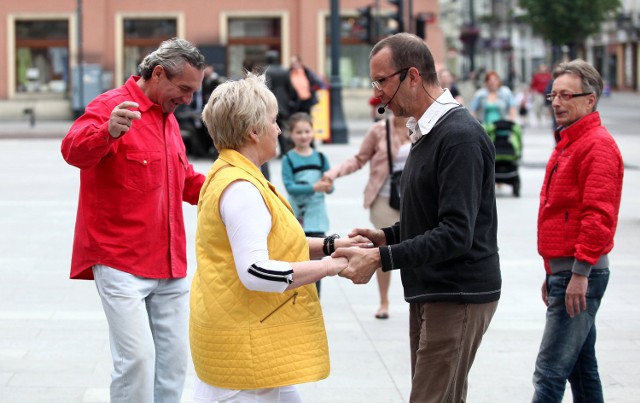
x=283, y=394
x=148, y=333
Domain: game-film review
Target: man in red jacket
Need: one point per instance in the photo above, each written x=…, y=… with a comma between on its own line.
x=577, y=219
x=129, y=235
x=537, y=89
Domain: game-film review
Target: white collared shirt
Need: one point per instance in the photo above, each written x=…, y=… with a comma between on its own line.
x=423, y=126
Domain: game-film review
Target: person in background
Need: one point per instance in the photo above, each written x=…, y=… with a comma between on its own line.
x=302, y=169
x=523, y=100
x=547, y=103
x=377, y=190
x=306, y=83
x=374, y=103
x=538, y=90
x=445, y=244
x=209, y=83
x=248, y=66
x=577, y=221
x=256, y=325
x=129, y=235
x=494, y=101
x=280, y=84
x=447, y=80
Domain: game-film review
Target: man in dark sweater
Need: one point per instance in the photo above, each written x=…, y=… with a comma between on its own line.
x=445, y=244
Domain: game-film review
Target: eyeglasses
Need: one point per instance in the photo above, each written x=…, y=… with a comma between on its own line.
x=565, y=96
x=377, y=84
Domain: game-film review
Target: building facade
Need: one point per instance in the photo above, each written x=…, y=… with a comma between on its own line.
x=60, y=54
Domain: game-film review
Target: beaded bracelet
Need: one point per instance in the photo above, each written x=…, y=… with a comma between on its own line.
x=328, y=246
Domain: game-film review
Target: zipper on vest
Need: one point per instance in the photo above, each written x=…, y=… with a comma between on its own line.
x=294, y=296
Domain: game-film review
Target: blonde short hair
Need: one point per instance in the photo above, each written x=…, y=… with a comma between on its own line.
x=236, y=108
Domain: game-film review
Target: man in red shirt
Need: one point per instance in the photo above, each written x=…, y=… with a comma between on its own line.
x=129, y=235
x=538, y=86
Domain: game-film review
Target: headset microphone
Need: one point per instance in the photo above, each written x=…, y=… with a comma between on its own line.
x=381, y=109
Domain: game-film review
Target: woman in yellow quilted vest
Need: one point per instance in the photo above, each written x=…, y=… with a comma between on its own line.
x=256, y=327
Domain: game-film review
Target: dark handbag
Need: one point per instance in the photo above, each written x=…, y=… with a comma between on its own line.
x=394, y=196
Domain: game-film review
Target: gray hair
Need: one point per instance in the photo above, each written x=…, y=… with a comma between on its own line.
x=409, y=50
x=235, y=108
x=591, y=79
x=172, y=54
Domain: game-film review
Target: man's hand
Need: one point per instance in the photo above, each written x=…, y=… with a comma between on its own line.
x=576, y=295
x=122, y=118
x=545, y=292
x=362, y=263
x=376, y=236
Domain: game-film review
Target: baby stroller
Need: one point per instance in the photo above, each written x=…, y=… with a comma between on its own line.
x=507, y=139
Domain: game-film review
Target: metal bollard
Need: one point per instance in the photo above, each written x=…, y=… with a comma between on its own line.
x=32, y=115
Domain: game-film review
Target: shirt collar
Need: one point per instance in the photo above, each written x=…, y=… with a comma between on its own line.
x=421, y=127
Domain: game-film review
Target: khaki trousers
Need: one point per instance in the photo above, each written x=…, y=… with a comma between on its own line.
x=444, y=338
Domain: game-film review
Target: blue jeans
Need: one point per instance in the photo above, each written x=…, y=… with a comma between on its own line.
x=567, y=350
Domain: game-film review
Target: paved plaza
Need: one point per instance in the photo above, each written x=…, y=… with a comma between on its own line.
x=53, y=334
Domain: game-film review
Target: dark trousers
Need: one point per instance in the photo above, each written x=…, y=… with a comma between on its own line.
x=444, y=338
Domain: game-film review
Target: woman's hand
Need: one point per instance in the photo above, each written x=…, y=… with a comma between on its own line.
x=348, y=242
x=335, y=265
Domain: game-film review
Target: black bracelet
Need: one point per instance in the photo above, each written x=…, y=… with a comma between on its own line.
x=328, y=246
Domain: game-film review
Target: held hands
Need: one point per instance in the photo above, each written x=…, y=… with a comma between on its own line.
x=353, y=241
x=362, y=263
x=334, y=265
x=323, y=185
x=375, y=236
x=364, y=258
x=122, y=118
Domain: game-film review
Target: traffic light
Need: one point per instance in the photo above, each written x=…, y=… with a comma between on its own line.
x=398, y=15
x=421, y=26
x=365, y=23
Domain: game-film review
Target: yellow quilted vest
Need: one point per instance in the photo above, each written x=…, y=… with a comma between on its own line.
x=242, y=339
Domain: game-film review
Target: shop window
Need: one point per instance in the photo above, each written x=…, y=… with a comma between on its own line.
x=42, y=56
x=142, y=36
x=354, y=54
x=249, y=40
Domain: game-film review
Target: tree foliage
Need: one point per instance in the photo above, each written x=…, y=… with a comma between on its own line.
x=567, y=22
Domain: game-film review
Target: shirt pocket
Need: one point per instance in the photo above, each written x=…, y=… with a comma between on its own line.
x=144, y=170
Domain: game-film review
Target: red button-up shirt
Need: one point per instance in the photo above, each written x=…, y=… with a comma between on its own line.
x=131, y=189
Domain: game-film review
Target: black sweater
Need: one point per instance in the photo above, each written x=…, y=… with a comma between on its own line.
x=445, y=244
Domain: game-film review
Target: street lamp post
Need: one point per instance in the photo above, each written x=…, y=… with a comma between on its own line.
x=339, y=133
x=80, y=61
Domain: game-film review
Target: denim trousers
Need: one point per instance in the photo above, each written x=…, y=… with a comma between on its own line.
x=148, y=333
x=567, y=350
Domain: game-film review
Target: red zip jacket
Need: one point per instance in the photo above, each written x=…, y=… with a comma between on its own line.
x=131, y=189
x=580, y=196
